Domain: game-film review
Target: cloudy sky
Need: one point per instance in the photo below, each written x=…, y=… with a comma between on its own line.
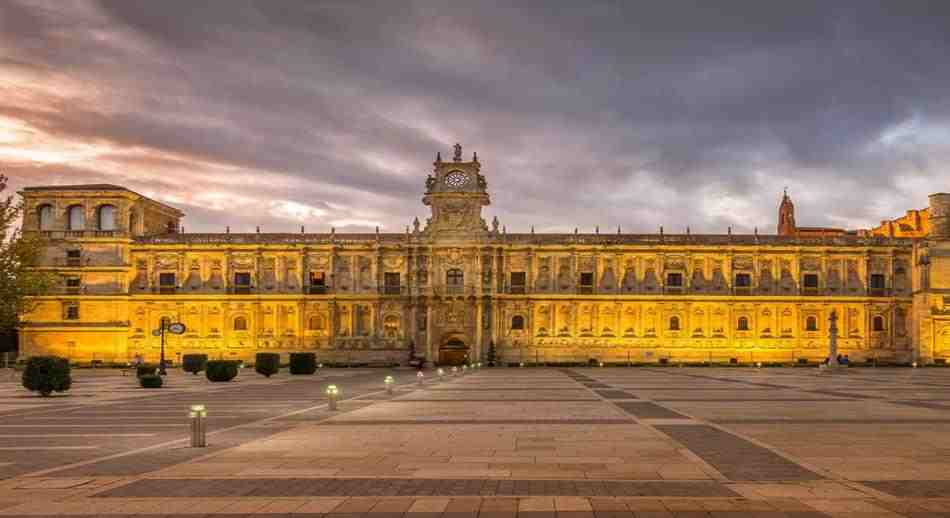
x=329, y=113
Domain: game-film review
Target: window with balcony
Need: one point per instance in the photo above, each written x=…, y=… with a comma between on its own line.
x=240, y=324
x=242, y=283
x=878, y=284
x=811, y=324
x=76, y=218
x=517, y=323
x=167, y=282
x=318, y=283
x=674, y=323
x=877, y=323
x=674, y=280
x=71, y=311
x=810, y=282
x=454, y=280
x=518, y=281
x=587, y=282
x=392, y=283
x=743, y=283
x=73, y=258
x=106, y=217
x=742, y=324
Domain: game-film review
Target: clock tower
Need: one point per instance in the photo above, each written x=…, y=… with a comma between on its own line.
x=456, y=191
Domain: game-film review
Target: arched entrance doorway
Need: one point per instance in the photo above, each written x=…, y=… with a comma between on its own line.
x=453, y=352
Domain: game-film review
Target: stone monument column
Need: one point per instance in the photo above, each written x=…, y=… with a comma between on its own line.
x=833, y=339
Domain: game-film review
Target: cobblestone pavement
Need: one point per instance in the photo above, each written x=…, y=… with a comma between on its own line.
x=512, y=442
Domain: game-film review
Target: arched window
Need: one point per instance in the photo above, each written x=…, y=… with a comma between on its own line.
x=517, y=322
x=45, y=213
x=674, y=323
x=811, y=324
x=133, y=220
x=240, y=324
x=742, y=324
x=316, y=323
x=454, y=278
x=76, y=217
x=878, y=323
x=106, y=217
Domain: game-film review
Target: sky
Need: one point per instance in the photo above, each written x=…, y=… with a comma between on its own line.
x=633, y=113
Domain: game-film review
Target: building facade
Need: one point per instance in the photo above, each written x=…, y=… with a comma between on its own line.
x=452, y=286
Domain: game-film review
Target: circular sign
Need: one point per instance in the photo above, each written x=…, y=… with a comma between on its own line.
x=176, y=328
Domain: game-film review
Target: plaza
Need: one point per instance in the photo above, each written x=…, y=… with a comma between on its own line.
x=500, y=442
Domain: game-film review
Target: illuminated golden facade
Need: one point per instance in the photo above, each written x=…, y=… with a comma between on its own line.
x=454, y=284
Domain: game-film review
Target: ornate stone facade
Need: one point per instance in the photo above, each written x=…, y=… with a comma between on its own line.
x=454, y=284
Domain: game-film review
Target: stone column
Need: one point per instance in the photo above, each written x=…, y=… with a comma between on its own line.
x=430, y=357
x=833, y=339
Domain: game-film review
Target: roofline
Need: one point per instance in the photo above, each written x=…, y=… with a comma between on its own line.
x=100, y=187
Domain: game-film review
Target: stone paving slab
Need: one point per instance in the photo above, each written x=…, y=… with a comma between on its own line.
x=648, y=410
x=615, y=394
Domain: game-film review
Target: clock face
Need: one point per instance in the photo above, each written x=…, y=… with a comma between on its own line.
x=456, y=179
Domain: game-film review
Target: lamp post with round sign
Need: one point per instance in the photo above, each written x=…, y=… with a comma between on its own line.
x=174, y=328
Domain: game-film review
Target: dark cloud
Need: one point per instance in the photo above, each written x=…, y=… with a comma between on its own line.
x=596, y=113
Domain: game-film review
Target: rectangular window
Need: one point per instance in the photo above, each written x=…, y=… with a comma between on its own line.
x=878, y=284
x=242, y=283
x=674, y=280
x=73, y=258
x=392, y=283
x=73, y=284
x=318, y=283
x=587, y=282
x=810, y=281
x=166, y=282
x=743, y=280
x=71, y=311
x=518, y=281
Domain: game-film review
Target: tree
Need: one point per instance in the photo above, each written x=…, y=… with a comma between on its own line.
x=19, y=254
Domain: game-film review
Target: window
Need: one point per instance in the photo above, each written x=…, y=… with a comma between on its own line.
x=517, y=323
x=743, y=280
x=811, y=324
x=76, y=217
x=742, y=324
x=240, y=324
x=878, y=284
x=674, y=323
x=392, y=283
x=877, y=324
x=674, y=280
x=587, y=282
x=455, y=280
x=810, y=281
x=318, y=283
x=518, y=281
x=71, y=311
x=315, y=323
x=45, y=213
x=106, y=215
x=166, y=282
x=73, y=284
x=73, y=258
x=242, y=283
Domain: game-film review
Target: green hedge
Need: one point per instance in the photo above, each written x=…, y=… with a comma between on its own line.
x=193, y=363
x=150, y=381
x=303, y=363
x=47, y=374
x=145, y=370
x=267, y=364
x=221, y=370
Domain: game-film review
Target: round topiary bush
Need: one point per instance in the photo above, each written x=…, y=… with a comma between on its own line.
x=47, y=374
x=145, y=370
x=221, y=370
x=303, y=363
x=193, y=363
x=267, y=364
x=150, y=381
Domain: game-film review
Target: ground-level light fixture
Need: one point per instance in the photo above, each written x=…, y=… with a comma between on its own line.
x=332, y=394
x=420, y=377
x=440, y=372
x=389, y=384
x=198, y=415
x=455, y=370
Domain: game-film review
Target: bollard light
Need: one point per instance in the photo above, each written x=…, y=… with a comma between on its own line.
x=319, y=365
x=441, y=373
x=198, y=415
x=332, y=394
x=420, y=377
x=464, y=369
x=455, y=370
x=600, y=364
x=758, y=364
x=389, y=384
x=521, y=364
x=914, y=365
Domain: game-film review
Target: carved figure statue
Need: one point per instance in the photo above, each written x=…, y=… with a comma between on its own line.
x=494, y=224
x=458, y=153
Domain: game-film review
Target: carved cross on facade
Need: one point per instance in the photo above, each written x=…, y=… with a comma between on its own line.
x=458, y=153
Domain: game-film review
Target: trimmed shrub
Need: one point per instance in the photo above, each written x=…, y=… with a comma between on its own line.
x=193, y=363
x=145, y=370
x=303, y=363
x=267, y=364
x=150, y=381
x=221, y=370
x=47, y=374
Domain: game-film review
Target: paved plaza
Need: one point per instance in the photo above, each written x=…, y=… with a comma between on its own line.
x=500, y=443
